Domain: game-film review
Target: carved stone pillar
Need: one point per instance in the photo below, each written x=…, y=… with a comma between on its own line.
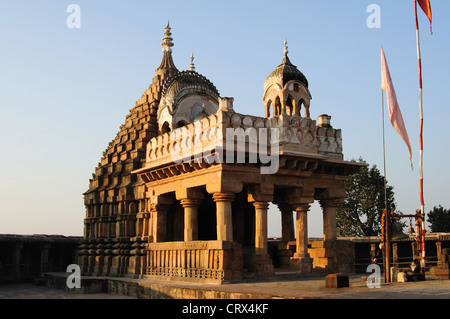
x=301, y=259
x=261, y=227
x=287, y=222
x=190, y=199
x=224, y=215
x=302, y=231
x=190, y=218
x=329, y=207
x=299, y=199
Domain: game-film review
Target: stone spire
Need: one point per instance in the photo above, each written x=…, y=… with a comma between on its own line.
x=167, y=44
x=285, y=48
x=191, y=65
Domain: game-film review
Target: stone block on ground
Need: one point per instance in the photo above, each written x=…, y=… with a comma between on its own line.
x=336, y=281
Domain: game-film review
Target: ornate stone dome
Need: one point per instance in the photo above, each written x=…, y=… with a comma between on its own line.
x=186, y=82
x=186, y=97
x=286, y=90
x=284, y=73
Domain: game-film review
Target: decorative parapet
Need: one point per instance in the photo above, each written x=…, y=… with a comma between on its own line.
x=229, y=137
x=329, y=140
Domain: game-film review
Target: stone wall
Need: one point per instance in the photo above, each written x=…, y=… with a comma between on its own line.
x=26, y=257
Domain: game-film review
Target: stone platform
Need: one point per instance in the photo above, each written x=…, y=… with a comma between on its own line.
x=286, y=285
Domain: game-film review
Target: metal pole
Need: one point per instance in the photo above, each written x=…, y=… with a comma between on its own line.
x=422, y=203
x=388, y=248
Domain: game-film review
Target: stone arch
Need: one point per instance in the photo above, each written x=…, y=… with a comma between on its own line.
x=277, y=106
x=165, y=128
x=298, y=106
x=290, y=105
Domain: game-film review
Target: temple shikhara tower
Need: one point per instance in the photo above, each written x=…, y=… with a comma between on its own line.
x=183, y=190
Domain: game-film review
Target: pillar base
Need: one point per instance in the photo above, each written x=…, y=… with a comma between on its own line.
x=304, y=264
x=262, y=265
x=284, y=256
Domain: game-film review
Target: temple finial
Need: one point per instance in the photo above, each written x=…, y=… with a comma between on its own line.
x=167, y=39
x=191, y=65
x=285, y=47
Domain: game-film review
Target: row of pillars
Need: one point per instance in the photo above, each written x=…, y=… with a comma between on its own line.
x=21, y=265
x=224, y=225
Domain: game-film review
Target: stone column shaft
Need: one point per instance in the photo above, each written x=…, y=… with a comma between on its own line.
x=302, y=231
x=190, y=218
x=329, y=218
x=287, y=223
x=224, y=215
x=261, y=227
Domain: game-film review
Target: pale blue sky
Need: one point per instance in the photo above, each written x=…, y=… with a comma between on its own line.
x=65, y=92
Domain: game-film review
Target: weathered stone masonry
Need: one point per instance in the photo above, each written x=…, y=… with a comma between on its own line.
x=152, y=212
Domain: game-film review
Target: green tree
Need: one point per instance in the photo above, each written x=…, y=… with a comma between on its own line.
x=359, y=213
x=439, y=220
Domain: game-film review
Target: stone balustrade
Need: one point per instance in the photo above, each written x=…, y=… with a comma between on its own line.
x=210, y=138
x=199, y=260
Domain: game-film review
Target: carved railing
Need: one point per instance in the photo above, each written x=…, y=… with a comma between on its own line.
x=206, y=141
x=207, y=260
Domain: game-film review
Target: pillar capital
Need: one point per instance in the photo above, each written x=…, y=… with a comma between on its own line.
x=260, y=193
x=223, y=197
x=164, y=199
x=158, y=208
x=191, y=193
x=335, y=192
x=261, y=205
x=189, y=202
x=324, y=203
x=300, y=195
x=301, y=208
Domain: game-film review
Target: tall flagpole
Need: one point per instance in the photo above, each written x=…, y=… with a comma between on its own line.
x=387, y=244
x=422, y=204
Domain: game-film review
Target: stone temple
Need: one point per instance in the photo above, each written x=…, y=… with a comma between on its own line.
x=182, y=192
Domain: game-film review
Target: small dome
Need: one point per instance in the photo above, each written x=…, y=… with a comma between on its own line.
x=284, y=73
x=186, y=96
x=286, y=90
x=188, y=79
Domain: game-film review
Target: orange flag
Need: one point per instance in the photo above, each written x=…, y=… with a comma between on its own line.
x=395, y=114
x=426, y=7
